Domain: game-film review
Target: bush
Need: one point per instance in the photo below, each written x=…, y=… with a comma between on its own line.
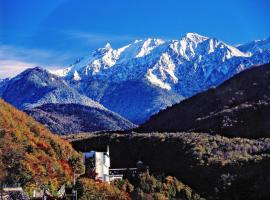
x=149, y=187
x=123, y=185
x=88, y=189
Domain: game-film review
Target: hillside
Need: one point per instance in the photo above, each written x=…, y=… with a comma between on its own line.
x=36, y=86
x=75, y=118
x=216, y=167
x=30, y=154
x=136, y=100
x=141, y=78
x=238, y=107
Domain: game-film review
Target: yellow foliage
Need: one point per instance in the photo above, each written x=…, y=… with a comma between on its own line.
x=88, y=189
x=31, y=154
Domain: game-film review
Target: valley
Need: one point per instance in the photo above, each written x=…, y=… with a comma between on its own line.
x=215, y=167
x=195, y=111
x=239, y=107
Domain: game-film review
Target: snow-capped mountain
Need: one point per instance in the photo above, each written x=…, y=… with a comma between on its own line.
x=50, y=100
x=256, y=46
x=239, y=107
x=36, y=86
x=145, y=76
x=3, y=84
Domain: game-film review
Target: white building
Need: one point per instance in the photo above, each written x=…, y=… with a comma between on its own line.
x=98, y=163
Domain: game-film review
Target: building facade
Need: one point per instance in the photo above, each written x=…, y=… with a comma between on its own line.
x=97, y=164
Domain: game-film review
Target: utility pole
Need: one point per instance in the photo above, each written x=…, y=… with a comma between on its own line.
x=1, y=190
x=74, y=191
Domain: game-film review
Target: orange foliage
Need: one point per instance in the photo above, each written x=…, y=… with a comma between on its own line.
x=42, y=145
x=30, y=153
x=67, y=167
x=92, y=190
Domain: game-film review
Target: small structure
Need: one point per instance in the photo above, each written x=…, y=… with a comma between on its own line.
x=46, y=195
x=97, y=164
x=119, y=173
x=14, y=193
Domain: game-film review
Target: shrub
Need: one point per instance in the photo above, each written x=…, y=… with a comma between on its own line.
x=88, y=189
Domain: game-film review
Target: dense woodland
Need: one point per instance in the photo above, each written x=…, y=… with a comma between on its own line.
x=30, y=155
x=34, y=158
x=239, y=107
x=114, y=100
x=183, y=165
x=216, y=167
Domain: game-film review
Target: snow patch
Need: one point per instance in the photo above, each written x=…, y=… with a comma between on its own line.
x=192, y=59
x=76, y=76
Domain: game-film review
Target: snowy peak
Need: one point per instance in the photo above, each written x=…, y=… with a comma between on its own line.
x=37, y=75
x=228, y=51
x=194, y=45
x=140, y=78
x=194, y=37
x=61, y=72
x=108, y=46
x=36, y=86
x=162, y=73
x=148, y=45
x=256, y=46
x=102, y=51
x=236, y=52
x=76, y=76
x=187, y=45
x=167, y=64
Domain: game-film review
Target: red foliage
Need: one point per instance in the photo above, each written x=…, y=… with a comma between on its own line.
x=42, y=145
x=67, y=167
x=39, y=161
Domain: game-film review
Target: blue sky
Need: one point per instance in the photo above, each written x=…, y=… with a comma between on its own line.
x=54, y=33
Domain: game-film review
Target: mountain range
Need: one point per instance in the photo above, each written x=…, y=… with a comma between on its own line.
x=240, y=107
x=117, y=88
x=141, y=78
x=189, y=96
x=51, y=101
